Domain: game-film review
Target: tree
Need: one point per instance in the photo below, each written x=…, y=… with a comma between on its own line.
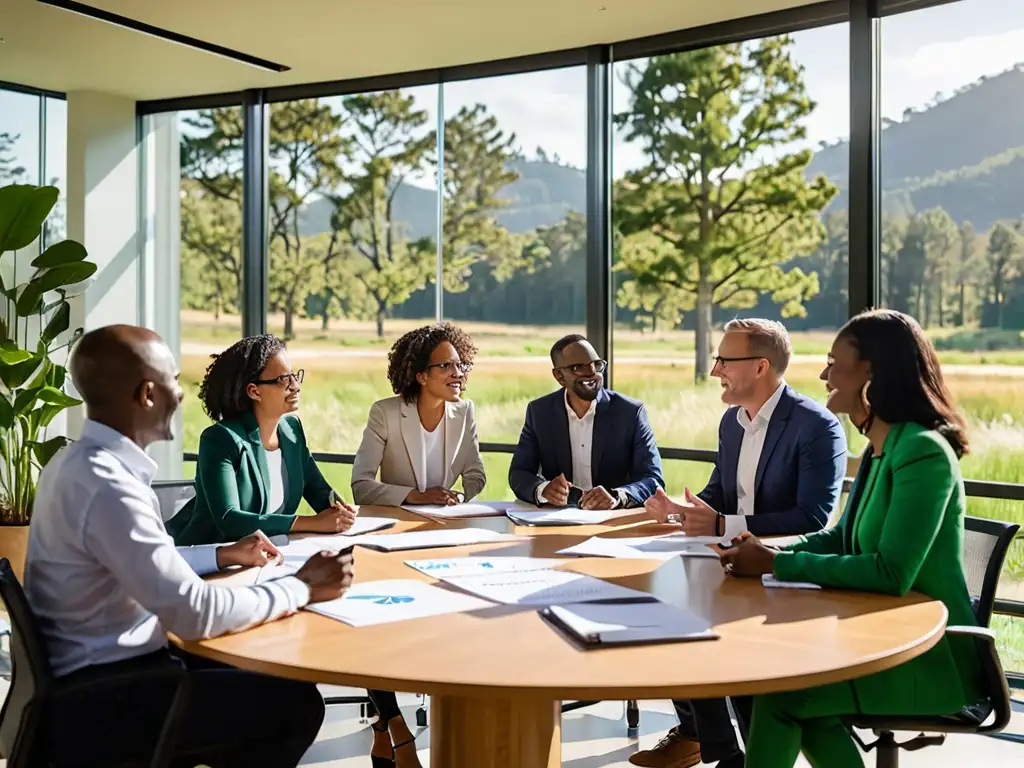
x=831, y=264
x=1002, y=262
x=966, y=269
x=940, y=243
x=476, y=168
x=387, y=148
x=10, y=171
x=211, y=250
x=719, y=187
x=307, y=150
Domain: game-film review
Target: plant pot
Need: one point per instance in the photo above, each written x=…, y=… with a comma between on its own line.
x=14, y=546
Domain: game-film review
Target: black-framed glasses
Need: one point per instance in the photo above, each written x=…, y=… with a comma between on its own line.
x=585, y=369
x=717, y=360
x=284, y=379
x=448, y=367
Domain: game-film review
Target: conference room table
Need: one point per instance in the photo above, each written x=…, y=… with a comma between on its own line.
x=496, y=676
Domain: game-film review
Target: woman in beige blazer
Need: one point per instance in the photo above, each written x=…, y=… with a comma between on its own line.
x=423, y=439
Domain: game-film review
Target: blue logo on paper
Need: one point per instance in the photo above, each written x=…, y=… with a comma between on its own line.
x=385, y=599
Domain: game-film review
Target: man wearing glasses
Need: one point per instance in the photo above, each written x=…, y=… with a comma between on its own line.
x=779, y=471
x=585, y=445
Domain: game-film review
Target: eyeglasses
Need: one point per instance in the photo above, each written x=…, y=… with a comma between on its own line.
x=448, y=367
x=717, y=360
x=585, y=369
x=285, y=379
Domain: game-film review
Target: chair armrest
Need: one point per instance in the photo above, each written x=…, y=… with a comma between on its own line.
x=996, y=686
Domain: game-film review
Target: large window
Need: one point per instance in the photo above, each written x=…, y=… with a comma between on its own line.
x=952, y=251
x=729, y=168
x=514, y=237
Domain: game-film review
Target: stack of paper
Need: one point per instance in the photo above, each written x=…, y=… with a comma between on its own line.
x=449, y=537
x=769, y=580
x=381, y=602
x=560, y=516
x=663, y=547
x=469, y=509
x=603, y=624
x=469, y=566
x=544, y=587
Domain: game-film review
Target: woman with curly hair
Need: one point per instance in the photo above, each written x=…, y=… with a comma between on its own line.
x=423, y=439
x=254, y=466
x=254, y=470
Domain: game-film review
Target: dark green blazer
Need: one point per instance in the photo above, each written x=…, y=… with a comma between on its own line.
x=903, y=530
x=232, y=482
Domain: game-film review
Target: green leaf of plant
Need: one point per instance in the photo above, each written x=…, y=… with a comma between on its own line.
x=6, y=415
x=59, y=323
x=23, y=209
x=54, y=396
x=29, y=300
x=66, y=274
x=56, y=376
x=15, y=376
x=25, y=400
x=46, y=414
x=47, y=449
x=65, y=252
x=13, y=356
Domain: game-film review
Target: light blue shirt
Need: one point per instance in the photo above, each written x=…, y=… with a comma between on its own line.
x=103, y=576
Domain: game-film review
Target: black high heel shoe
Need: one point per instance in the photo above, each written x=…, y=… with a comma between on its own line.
x=396, y=747
x=382, y=762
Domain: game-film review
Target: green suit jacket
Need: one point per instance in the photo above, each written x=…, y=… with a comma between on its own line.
x=232, y=482
x=903, y=530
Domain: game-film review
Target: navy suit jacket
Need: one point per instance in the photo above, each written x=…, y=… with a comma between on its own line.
x=800, y=472
x=624, y=454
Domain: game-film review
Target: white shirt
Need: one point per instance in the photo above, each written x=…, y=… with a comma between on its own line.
x=103, y=577
x=278, y=481
x=754, y=432
x=581, y=444
x=433, y=448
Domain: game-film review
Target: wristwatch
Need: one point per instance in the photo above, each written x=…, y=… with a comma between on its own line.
x=719, y=524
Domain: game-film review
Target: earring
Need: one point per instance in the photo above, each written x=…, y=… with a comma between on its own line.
x=865, y=403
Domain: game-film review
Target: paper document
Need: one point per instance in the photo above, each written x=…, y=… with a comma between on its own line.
x=469, y=566
x=381, y=602
x=547, y=587
x=369, y=525
x=469, y=509
x=300, y=550
x=561, y=516
x=624, y=623
x=449, y=537
x=769, y=580
x=663, y=547
x=276, y=571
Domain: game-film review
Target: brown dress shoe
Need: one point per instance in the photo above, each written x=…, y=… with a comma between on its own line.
x=673, y=751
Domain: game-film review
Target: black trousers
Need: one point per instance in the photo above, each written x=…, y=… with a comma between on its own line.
x=386, y=704
x=708, y=721
x=235, y=719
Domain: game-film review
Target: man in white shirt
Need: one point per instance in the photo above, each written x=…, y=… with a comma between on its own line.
x=584, y=439
x=779, y=470
x=106, y=584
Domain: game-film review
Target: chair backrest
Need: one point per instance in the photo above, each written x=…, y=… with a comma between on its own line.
x=986, y=543
x=31, y=674
x=173, y=495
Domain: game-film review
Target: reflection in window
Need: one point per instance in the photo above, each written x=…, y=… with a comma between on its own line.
x=727, y=201
x=19, y=138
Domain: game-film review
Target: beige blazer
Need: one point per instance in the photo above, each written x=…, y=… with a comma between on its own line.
x=393, y=443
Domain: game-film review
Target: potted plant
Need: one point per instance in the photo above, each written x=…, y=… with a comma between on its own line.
x=34, y=326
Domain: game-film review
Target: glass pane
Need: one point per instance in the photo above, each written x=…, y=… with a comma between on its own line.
x=352, y=223
x=515, y=234
x=210, y=250
x=19, y=138
x=56, y=167
x=729, y=165
x=952, y=251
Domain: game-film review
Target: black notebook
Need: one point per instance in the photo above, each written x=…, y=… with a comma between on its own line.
x=604, y=625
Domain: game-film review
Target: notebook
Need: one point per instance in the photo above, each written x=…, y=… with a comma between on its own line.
x=604, y=625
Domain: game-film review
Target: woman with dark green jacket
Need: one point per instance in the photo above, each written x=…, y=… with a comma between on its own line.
x=255, y=469
x=902, y=530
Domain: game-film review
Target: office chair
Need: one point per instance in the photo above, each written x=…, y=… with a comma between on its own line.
x=632, y=712
x=986, y=543
x=34, y=688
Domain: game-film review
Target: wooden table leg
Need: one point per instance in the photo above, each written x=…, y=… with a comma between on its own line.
x=494, y=733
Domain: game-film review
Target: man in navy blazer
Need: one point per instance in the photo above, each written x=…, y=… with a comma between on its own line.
x=779, y=471
x=585, y=436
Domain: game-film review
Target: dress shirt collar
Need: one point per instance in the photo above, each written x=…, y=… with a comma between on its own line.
x=572, y=414
x=764, y=415
x=134, y=459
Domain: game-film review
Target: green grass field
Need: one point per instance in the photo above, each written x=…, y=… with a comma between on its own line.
x=345, y=373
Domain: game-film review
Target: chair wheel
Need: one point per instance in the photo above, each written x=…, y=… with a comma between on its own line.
x=632, y=716
x=421, y=717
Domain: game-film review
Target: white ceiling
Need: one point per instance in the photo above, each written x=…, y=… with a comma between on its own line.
x=320, y=40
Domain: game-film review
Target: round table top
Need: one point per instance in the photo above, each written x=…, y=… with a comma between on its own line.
x=769, y=639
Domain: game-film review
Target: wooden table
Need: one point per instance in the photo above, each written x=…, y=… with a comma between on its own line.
x=496, y=677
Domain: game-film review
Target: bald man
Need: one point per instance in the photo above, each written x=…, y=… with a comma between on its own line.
x=107, y=583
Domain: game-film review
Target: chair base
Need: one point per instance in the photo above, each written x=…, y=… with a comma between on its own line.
x=888, y=749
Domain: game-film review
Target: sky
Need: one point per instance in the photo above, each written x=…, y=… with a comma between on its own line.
x=936, y=50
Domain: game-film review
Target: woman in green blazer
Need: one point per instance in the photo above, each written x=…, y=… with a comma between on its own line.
x=255, y=469
x=902, y=530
